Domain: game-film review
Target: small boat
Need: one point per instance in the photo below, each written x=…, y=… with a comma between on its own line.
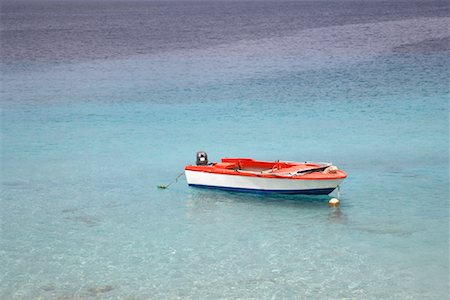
x=250, y=175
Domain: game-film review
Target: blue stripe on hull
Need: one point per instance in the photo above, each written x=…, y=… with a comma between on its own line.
x=304, y=192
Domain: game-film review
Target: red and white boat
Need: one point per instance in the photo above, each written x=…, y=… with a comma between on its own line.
x=249, y=175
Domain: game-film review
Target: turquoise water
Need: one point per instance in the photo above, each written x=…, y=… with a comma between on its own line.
x=84, y=145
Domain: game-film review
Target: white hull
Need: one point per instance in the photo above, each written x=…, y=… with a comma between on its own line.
x=259, y=184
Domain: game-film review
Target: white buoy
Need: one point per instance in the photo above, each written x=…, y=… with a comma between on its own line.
x=334, y=202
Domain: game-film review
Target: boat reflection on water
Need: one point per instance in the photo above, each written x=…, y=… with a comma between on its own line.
x=201, y=202
x=336, y=215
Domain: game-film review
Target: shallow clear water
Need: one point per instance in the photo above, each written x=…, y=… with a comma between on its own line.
x=86, y=141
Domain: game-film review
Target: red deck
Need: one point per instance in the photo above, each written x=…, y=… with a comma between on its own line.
x=266, y=169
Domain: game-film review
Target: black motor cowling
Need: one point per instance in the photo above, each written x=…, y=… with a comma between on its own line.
x=202, y=158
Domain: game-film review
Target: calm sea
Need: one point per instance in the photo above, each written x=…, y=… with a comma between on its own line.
x=101, y=101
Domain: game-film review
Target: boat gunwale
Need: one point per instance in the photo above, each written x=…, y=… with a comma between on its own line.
x=232, y=172
x=342, y=175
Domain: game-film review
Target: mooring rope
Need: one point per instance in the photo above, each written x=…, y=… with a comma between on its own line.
x=166, y=186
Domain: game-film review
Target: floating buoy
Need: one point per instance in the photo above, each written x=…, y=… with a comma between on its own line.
x=334, y=202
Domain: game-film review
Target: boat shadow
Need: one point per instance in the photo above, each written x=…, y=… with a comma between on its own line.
x=297, y=200
x=204, y=201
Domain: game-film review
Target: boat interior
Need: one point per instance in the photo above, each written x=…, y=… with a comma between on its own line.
x=250, y=165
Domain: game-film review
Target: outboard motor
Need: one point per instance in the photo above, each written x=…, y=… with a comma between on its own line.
x=202, y=158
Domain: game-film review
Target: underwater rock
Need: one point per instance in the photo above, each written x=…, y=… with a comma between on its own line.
x=100, y=289
x=87, y=220
x=48, y=287
x=69, y=210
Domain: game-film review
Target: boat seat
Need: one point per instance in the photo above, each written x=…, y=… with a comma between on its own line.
x=227, y=165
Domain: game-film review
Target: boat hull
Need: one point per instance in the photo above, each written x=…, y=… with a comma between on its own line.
x=261, y=184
